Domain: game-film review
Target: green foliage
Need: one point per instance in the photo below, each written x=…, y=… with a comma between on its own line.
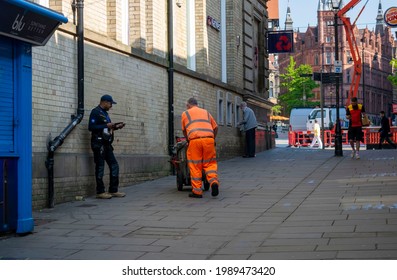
x=299, y=88
x=276, y=110
x=393, y=78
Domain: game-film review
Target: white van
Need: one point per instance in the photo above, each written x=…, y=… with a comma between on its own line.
x=329, y=118
x=298, y=118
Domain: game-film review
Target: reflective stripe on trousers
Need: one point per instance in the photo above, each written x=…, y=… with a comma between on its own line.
x=201, y=155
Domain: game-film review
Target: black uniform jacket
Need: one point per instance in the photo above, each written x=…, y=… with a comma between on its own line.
x=97, y=125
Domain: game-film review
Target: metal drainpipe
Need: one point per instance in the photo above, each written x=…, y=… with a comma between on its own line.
x=52, y=145
x=170, y=78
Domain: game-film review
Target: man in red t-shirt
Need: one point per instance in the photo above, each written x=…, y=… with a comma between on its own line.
x=354, y=113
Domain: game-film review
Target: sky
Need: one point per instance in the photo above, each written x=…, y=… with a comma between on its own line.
x=304, y=12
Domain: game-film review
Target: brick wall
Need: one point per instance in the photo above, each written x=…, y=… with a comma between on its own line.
x=137, y=78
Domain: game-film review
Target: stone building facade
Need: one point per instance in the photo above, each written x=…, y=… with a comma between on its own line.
x=316, y=47
x=219, y=57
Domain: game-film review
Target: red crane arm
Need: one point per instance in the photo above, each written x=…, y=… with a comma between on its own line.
x=353, y=47
x=347, y=7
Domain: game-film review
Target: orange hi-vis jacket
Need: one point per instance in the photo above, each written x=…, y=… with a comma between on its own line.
x=198, y=125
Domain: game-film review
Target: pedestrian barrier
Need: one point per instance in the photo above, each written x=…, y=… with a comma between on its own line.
x=303, y=138
x=374, y=137
x=300, y=138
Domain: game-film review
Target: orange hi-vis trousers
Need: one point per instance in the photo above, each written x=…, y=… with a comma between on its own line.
x=201, y=155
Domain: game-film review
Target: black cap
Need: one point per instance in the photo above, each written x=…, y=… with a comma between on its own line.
x=108, y=98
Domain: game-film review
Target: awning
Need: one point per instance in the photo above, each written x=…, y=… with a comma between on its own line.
x=29, y=22
x=278, y=118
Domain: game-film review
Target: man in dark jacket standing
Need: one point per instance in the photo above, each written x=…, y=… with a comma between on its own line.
x=249, y=126
x=102, y=128
x=384, y=131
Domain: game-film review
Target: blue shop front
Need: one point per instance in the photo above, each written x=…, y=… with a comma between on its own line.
x=23, y=25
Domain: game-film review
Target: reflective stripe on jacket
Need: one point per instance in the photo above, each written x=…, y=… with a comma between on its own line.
x=198, y=123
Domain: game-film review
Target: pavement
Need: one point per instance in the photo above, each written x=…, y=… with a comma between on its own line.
x=286, y=203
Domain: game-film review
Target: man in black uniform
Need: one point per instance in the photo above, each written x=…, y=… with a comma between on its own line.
x=102, y=128
x=384, y=131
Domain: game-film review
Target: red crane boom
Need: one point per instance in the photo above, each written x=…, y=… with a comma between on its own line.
x=352, y=45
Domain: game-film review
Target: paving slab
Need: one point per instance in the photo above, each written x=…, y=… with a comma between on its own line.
x=286, y=203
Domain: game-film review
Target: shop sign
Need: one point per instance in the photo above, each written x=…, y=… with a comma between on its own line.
x=26, y=25
x=391, y=16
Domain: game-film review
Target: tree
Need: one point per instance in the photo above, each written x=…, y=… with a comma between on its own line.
x=393, y=78
x=276, y=110
x=299, y=85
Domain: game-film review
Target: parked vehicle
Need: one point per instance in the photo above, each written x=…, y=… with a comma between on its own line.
x=329, y=118
x=298, y=118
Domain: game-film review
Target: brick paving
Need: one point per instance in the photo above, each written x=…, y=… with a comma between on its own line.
x=287, y=203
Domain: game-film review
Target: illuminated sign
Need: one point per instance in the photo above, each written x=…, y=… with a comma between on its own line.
x=280, y=42
x=391, y=16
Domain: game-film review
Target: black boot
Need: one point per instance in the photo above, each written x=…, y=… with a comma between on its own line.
x=195, y=195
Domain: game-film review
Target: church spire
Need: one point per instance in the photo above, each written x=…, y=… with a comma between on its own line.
x=319, y=8
x=288, y=19
x=379, y=20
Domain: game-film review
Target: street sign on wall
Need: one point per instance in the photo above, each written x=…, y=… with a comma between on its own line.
x=338, y=66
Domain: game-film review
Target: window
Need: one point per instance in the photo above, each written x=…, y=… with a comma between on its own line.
x=271, y=86
x=45, y=3
x=229, y=109
x=348, y=75
x=220, y=109
x=238, y=114
x=125, y=23
x=328, y=58
x=223, y=41
x=191, y=35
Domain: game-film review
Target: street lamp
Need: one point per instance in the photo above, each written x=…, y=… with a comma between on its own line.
x=338, y=132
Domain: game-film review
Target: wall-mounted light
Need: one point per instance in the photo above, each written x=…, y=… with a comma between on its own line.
x=238, y=41
x=179, y=3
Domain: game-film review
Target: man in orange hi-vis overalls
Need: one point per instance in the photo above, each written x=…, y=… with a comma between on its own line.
x=200, y=129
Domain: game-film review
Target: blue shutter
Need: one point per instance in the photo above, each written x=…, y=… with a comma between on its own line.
x=6, y=96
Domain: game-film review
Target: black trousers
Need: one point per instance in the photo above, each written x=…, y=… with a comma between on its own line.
x=250, y=142
x=102, y=155
x=387, y=138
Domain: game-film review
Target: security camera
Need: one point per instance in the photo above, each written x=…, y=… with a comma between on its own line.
x=178, y=3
